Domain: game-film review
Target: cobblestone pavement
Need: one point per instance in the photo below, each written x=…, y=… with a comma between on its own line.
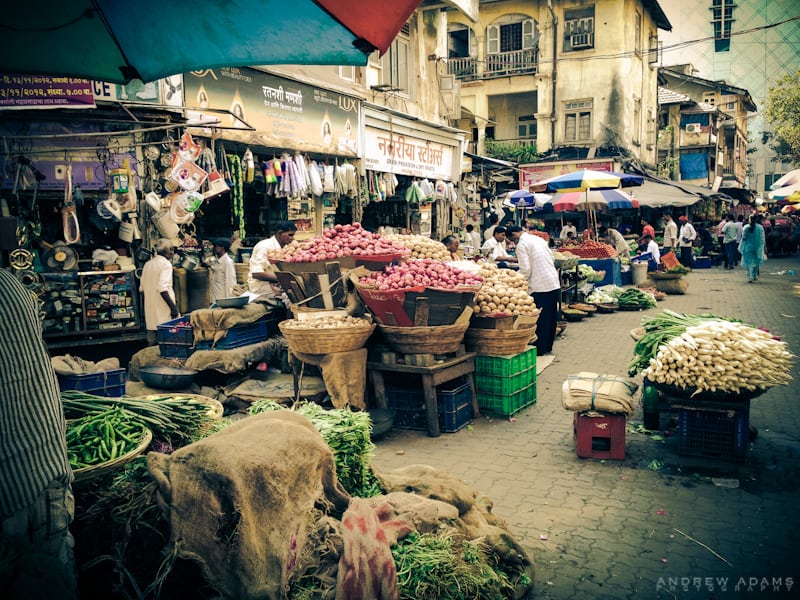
x=657, y=524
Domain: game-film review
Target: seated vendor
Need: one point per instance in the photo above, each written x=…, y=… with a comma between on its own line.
x=495, y=249
x=261, y=279
x=651, y=248
x=451, y=243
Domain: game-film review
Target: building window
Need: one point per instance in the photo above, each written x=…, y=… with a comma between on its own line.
x=722, y=21
x=710, y=98
x=526, y=127
x=512, y=45
x=637, y=34
x=348, y=73
x=637, y=121
x=579, y=29
x=577, y=120
x=395, y=65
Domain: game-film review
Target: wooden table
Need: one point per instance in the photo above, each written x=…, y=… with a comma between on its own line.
x=432, y=376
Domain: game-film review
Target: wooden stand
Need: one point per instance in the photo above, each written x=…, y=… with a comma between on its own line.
x=432, y=375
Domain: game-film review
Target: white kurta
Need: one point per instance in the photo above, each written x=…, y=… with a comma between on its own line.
x=223, y=277
x=156, y=278
x=259, y=263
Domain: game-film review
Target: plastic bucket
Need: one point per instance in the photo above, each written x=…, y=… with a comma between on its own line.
x=639, y=274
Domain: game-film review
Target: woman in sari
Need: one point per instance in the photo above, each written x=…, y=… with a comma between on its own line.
x=752, y=247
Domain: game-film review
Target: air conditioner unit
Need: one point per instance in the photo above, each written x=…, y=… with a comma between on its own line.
x=693, y=128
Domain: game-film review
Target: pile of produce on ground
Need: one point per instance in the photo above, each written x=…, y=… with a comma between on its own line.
x=102, y=435
x=421, y=246
x=706, y=353
x=337, y=242
x=590, y=249
x=326, y=322
x=635, y=299
x=590, y=274
x=421, y=273
x=599, y=296
x=504, y=291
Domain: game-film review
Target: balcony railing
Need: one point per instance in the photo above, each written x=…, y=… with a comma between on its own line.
x=501, y=64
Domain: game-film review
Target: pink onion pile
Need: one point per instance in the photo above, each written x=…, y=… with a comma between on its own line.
x=344, y=240
x=426, y=272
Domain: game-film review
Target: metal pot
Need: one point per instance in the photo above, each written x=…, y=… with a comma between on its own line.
x=167, y=378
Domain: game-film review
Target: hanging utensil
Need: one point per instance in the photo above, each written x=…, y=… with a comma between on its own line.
x=69, y=217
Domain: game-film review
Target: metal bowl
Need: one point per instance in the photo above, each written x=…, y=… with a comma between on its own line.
x=236, y=302
x=167, y=378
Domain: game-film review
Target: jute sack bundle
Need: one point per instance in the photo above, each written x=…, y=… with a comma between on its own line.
x=672, y=286
x=590, y=391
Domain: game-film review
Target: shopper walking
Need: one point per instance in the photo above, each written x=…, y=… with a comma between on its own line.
x=730, y=233
x=537, y=267
x=752, y=247
x=686, y=239
x=36, y=501
x=157, y=287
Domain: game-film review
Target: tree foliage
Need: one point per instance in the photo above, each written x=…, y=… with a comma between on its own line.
x=783, y=113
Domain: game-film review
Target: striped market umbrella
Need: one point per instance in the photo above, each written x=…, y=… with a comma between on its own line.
x=598, y=200
x=586, y=179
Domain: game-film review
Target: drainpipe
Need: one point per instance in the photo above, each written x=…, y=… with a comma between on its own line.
x=553, y=80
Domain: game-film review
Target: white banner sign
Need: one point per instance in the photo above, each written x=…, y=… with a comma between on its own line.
x=405, y=155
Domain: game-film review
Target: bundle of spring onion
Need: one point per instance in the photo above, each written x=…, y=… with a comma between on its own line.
x=710, y=354
x=170, y=417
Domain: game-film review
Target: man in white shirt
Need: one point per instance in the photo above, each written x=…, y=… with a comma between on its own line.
x=494, y=218
x=670, y=233
x=537, y=267
x=156, y=285
x=496, y=248
x=261, y=279
x=686, y=239
x=651, y=248
x=616, y=239
x=223, y=272
x=567, y=229
x=473, y=238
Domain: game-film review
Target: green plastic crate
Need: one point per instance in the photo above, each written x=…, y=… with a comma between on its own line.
x=504, y=366
x=505, y=405
x=499, y=384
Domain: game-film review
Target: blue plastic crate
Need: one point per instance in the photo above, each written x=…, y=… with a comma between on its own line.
x=449, y=396
x=177, y=331
x=449, y=421
x=716, y=430
x=106, y=383
x=175, y=350
x=238, y=336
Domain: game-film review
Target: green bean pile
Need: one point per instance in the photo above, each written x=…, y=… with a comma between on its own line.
x=102, y=436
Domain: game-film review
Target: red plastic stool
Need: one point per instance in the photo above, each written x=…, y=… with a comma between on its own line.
x=599, y=435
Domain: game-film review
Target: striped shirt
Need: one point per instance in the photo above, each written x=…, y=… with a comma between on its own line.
x=33, y=450
x=536, y=264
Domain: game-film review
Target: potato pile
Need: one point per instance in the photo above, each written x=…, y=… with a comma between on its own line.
x=328, y=322
x=503, y=291
x=421, y=246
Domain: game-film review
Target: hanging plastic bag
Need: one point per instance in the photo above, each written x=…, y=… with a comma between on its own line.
x=188, y=176
x=188, y=149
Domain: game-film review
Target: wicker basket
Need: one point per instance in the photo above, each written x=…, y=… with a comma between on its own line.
x=498, y=342
x=326, y=341
x=88, y=473
x=438, y=339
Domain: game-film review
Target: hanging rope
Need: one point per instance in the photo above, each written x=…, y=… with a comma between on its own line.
x=237, y=191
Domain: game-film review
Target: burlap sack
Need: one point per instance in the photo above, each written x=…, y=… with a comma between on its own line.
x=242, y=501
x=672, y=286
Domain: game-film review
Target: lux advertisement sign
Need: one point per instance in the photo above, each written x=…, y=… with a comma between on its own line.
x=284, y=113
x=392, y=152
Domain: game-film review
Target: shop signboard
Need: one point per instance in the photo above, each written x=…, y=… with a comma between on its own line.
x=133, y=91
x=404, y=154
x=530, y=174
x=272, y=111
x=36, y=91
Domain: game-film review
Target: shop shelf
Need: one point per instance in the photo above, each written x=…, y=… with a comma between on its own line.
x=506, y=405
x=499, y=384
x=505, y=366
x=106, y=383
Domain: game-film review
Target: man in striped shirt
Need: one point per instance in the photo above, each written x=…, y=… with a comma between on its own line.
x=36, y=502
x=537, y=267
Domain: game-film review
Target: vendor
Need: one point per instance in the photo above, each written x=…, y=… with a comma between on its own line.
x=651, y=248
x=261, y=279
x=495, y=249
x=156, y=285
x=451, y=243
x=614, y=238
x=223, y=272
x=566, y=230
